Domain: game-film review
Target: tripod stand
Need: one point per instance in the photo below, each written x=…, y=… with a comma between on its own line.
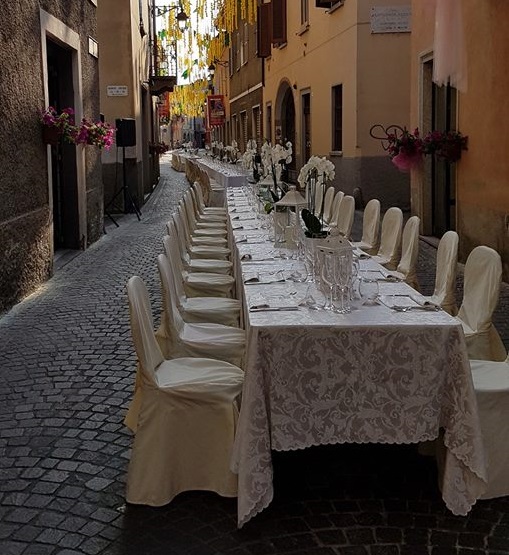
x=129, y=200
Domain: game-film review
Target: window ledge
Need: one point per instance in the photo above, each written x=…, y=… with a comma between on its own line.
x=303, y=29
x=336, y=153
x=281, y=46
x=335, y=7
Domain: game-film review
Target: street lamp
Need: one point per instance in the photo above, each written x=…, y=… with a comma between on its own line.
x=214, y=63
x=181, y=17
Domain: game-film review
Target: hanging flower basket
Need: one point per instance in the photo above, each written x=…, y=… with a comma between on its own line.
x=408, y=149
x=50, y=135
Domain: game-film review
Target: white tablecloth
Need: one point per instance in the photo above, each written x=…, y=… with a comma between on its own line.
x=371, y=376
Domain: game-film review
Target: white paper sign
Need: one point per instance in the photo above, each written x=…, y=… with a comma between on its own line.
x=116, y=90
x=391, y=19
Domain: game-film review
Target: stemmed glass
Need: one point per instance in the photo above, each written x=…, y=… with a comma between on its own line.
x=369, y=290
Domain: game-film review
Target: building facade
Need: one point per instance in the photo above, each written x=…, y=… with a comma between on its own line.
x=471, y=195
x=52, y=195
x=330, y=74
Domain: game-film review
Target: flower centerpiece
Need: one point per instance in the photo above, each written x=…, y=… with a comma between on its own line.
x=248, y=158
x=316, y=172
x=274, y=161
x=232, y=152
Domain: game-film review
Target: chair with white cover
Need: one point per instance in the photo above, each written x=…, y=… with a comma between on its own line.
x=198, y=237
x=201, y=229
x=179, y=338
x=390, y=241
x=491, y=384
x=206, y=218
x=346, y=215
x=202, y=205
x=407, y=267
x=370, y=240
x=214, y=265
x=444, y=293
x=481, y=288
x=219, y=310
x=198, y=284
x=336, y=203
x=183, y=415
x=197, y=251
x=327, y=203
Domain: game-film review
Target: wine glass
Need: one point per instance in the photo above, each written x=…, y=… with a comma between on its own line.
x=369, y=291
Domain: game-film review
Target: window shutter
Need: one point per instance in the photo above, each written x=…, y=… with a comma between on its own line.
x=278, y=21
x=324, y=3
x=263, y=35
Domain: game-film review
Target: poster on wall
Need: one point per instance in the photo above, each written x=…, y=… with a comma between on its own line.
x=216, y=109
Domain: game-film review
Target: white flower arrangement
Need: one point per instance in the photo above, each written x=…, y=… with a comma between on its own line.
x=247, y=159
x=321, y=168
x=275, y=157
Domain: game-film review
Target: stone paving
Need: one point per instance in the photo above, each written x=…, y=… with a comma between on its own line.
x=67, y=372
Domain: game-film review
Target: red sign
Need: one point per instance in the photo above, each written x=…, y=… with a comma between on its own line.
x=216, y=109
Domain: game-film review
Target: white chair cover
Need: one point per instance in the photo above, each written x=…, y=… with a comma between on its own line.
x=407, y=267
x=327, y=204
x=491, y=383
x=194, y=251
x=199, y=228
x=482, y=277
x=444, y=294
x=390, y=241
x=209, y=220
x=335, y=208
x=194, y=238
x=370, y=240
x=346, y=215
x=219, y=310
x=183, y=415
x=179, y=338
x=202, y=205
x=213, y=265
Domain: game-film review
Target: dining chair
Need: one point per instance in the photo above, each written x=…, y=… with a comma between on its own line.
x=407, y=267
x=481, y=288
x=180, y=338
x=198, y=237
x=199, y=228
x=390, y=241
x=214, y=265
x=444, y=293
x=216, y=219
x=196, y=309
x=327, y=204
x=491, y=384
x=346, y=215
x=183, y=415
x=198, y=284
x=370, y=239
x=338, y=198
x=201, y=251
x=203, y=207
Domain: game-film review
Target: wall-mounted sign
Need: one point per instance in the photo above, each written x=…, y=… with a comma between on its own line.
x=216, y=109
x=117, y=90
x=391, y=19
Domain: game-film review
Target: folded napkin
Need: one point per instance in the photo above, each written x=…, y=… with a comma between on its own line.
x=278, y=278
x=235, y=227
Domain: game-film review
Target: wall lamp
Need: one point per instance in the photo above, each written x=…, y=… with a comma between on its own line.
x=181, y=17
x=216, y=62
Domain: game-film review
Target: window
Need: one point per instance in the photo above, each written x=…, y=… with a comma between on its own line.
x=337, y=118
x=278, y=22
x=256, y=126
x=243, y=131
x=268, y=132
x=304, y=12
x=263, y=31
x=329, y=4
x=244, y=53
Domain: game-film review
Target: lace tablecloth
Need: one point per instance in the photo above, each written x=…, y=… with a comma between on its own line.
x=371, y=376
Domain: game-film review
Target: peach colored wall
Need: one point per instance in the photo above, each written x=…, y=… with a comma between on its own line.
x=483, y=171
x=338, y=48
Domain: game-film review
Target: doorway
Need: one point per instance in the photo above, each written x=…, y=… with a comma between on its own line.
x=306, y=127
x=439, y=114
x=63, y=155
x=285, y=124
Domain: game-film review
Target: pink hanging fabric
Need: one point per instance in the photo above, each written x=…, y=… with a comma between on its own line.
x=449, y=63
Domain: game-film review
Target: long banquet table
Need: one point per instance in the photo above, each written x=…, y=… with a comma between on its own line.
x=371, y=376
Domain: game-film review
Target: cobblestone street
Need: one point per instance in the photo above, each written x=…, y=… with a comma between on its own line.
x=67, y=369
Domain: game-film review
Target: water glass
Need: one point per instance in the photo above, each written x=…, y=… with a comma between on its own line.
x=369, y=290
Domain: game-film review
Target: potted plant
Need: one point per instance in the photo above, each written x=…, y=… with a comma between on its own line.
x=57, y=125
x=95, y=133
